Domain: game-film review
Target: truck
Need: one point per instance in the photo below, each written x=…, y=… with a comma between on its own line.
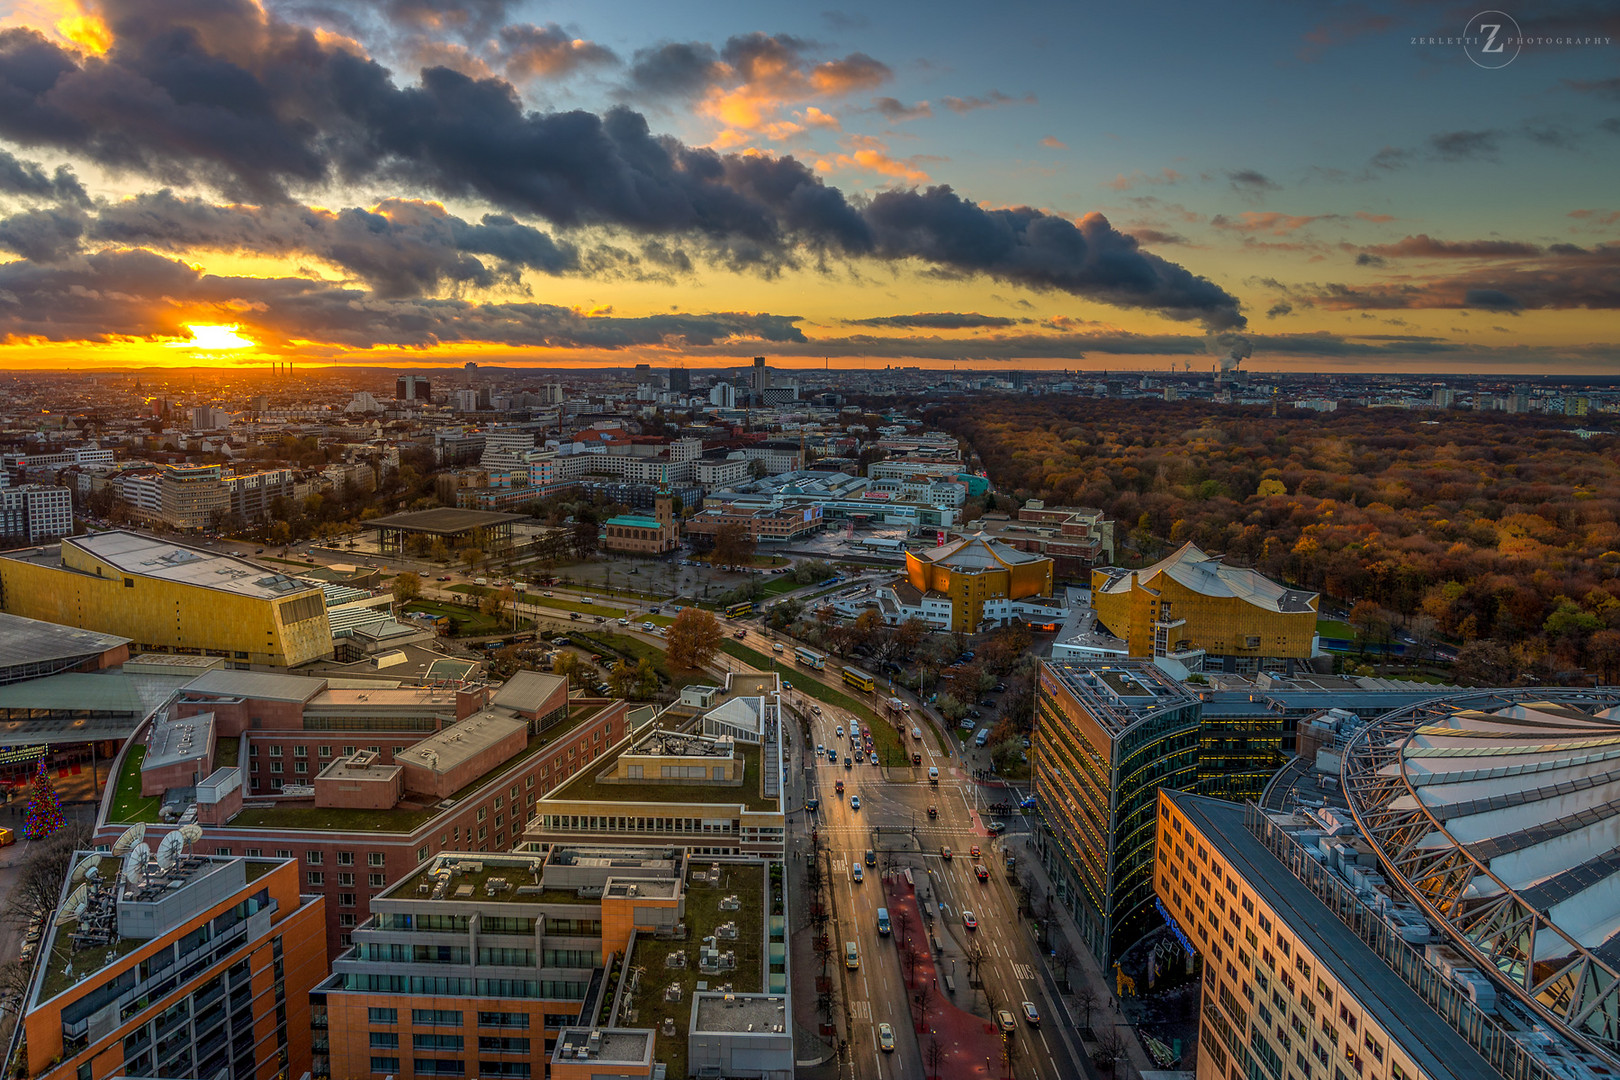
x=982, y=737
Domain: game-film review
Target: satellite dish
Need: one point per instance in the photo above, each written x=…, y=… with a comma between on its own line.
x=85, y=869
x=73, y=905
x=169, y=850
x=191, y=832
x=135, y=864
x=132, y=836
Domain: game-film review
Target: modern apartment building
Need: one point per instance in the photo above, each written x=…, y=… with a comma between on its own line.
x=1106, y=739
x=35, y=514
x=358, y=784
x=1206, y=615
x=169, y=597
x=179, y=965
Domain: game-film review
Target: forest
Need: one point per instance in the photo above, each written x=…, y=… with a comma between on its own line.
x=1465, y=527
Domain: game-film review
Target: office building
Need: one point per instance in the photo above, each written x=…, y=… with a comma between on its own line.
x=1075, y=538
x=192, y=498
x=1206, y=615
x=253, y=495
x=209, y=418
x=980, y=578
x=759, y=523
x=360, y=784
x=35, y=514
x=180, y=965
x=1106, y=739
x=637, y=534
x=413, y=388
x=169, y=597
x=680, y=380
x=1454, y=919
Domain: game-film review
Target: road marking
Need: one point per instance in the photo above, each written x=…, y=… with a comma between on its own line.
x=861, y=1010
x=1024, y=972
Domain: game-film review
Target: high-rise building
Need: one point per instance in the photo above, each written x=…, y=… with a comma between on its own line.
x=1106, y=739
x=35, y=513
x=412, y=388
x=723, y=395
x=180, y=965
x=762, y=376
x=680, y=380
x=1444, y=397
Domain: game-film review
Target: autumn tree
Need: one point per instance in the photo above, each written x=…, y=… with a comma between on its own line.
x=637, y=682
x=1484, y=663
x=692, y=639
x=574, y=668
x=407, y=586
x=733, y=545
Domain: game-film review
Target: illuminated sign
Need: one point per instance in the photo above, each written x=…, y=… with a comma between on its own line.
x=13, y=754
x=1174, y=929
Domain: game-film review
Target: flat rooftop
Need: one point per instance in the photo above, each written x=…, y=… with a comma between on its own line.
x=1435, y=1046
x=165, y=560
x=460, y=742
x=442, y=521
x=1120, y=693
x=32, y=641
x=176, y=739
x=604, y=1047
x=359, y=766
x=757, y=1013
x=264, y=685
x=585, y=788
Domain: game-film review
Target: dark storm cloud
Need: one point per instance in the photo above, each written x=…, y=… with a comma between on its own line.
x=28, y=178
x=222, y=93
x=45, y=235
x=674, y=69
x=937, y=320
x=1279, y=309
x=141, y=294
x=401, y=249
x=530, y=51
x=1369, y=259
x=1561, y=278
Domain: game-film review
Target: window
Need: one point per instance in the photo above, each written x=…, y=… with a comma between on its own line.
x=300, y=766
x=317, y=878
x=275, y=766
x=326, y=751
x=346, y=880
x=436, y=1042
x=384, y=1064
x=504, y=1020
x=346, y=919
x=300, y=751
x=275, y=751
x=345, y=899
x=254, y=853
x=385, y=1040
x=315, y=857
x=436, y=1017
x=345, y=858
x=378, y=880
x=382, y=1016
x=374, y=858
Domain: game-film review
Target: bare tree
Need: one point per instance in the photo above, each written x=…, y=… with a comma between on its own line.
x=920, y=1004
x=1110, y=1050
x=14, y=986
x=1009, y=1053
x=1063, y=956
x=909, y=959
x=974, y=955
x=902, y=924
x=991, y=999
x=934, y=1056
x=1085, y=999
x=39, y=881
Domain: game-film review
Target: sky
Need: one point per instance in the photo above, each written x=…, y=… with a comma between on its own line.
x=1329, y=186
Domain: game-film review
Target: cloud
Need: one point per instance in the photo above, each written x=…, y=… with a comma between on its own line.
x=872, y=155
x=1464, y=145
x=1270, y=222
x=675, y=69
x=1390, y=157
x=1562, y=277
x=936, y=320
x=1367, y=259
x=46, y=235
x=29, y=179
x=1157, y=236
x=1425, y=246
x=1341, y=31
x=995, y=99
x=532, y=52
x=1376, y=219
x=1596, y=217
x=896, y=111
x=1121, y=182
x=1279, y=309
x=114, y=294
x=1250, y=182
x=1052, y=142
x=1608, y=89
x=266, y=109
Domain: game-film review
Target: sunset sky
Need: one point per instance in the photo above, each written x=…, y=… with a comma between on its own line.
x=1342, y=186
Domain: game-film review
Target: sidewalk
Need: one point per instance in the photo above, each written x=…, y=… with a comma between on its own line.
x=1109, y=1013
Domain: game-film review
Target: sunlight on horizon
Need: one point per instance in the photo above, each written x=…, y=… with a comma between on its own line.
x=207, y=337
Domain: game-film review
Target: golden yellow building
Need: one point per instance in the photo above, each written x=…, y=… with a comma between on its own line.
x=168, y=597
x=1194, y=608
x=980, y=578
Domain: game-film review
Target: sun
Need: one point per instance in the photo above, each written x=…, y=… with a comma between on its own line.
x=206, y=337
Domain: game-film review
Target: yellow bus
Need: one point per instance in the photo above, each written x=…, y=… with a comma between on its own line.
x=854, y=676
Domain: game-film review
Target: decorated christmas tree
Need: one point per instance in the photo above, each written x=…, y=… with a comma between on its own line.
x=44, y=809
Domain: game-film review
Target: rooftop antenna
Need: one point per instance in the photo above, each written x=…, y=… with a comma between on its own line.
x=131, y=836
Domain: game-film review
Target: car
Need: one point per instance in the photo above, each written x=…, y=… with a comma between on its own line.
x=996, y=828
x=933, y=811
x=820, y=749
x=1005, y=1019
x=624, y=622
x=871, y=857
x=788, y=686
x=258, y=551
x=839, y=787
x=981, y=873
x=812, y=805
x=886, y=1038
x=966, y=724
x=976, y=714
x=873, y=758
x=974, y=851
x=655, y=610
x=444, y=577
x=740, y=634
x=970, y=920
x=548, y=592
x=814, y=708
x=601, y=618
x=574, y=615
x=854, y=802
x=849, y=762
x=1032, y=1015
x=839, y=731
x=1001, y=687
x=649, y=627
x=856, y=873
x=916, y=758
x=945, y=853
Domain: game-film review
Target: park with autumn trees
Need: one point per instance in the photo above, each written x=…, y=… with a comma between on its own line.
x=1485, y=536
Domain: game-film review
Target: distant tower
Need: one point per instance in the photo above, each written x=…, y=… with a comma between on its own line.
x=471, y=370
x=762, y=376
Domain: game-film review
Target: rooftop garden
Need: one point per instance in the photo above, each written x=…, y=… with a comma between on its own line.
x=646, y=1007
x=129, y=805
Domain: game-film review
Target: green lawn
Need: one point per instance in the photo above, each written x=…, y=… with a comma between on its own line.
x=703, y=914
x=332, y=820
x=1333, y=628
x=464, y=621
x=885, y=737
x=750, y=794
x=128, y=804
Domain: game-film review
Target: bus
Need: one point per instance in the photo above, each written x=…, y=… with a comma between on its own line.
x=810, y=658
x=740, y=610
x=859, y=679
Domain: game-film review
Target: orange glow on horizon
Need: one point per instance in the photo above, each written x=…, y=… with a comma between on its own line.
x=210, y=338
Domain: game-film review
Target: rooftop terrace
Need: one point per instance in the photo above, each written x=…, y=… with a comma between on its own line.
x=751, y=794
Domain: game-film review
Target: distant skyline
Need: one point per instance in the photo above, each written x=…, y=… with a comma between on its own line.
x=1337, y=187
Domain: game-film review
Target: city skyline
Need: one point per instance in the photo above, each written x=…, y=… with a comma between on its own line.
x=1348, y=188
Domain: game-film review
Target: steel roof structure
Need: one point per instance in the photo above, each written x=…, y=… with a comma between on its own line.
x=1499, y=812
